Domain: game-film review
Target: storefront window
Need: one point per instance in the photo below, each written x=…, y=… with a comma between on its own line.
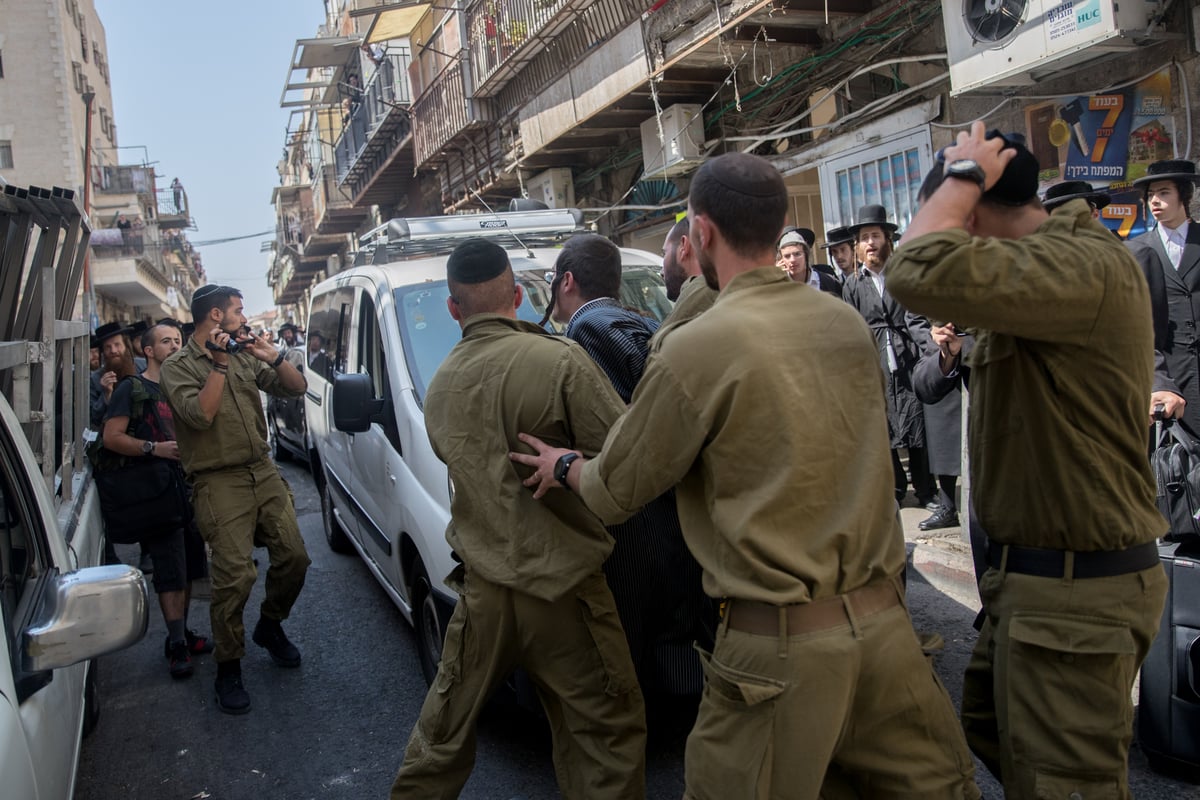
x=888, y=173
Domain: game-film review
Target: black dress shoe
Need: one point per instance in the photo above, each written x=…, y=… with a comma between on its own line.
x=941, y=518
x=269, y=633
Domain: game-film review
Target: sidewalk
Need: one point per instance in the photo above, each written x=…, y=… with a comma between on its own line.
x=941, y=557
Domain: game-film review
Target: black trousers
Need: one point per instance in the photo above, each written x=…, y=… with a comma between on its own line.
x=922, y=481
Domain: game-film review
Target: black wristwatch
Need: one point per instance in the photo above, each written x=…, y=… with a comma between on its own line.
x=278, y=361
x=147, y=448
x=967, y=169
x=563, y=466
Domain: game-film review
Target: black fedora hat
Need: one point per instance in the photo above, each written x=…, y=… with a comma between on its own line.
x=288, y=326
x=109, y=330
x=1067, y=191
x=1174, y=169
x=836, y=236
x=868, y=216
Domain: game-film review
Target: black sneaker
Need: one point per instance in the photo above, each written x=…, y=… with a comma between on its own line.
x=269, y=633
x=181, y=660
x=197, y=645
x=232, y=697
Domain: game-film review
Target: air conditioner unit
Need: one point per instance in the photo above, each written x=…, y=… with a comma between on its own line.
x=554, y=187
x=682, y=146
x=1019, y=42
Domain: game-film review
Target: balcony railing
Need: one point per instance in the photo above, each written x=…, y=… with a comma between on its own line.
x=443, y=111
x=370, y=106
x=500, y=30
x=126, y=179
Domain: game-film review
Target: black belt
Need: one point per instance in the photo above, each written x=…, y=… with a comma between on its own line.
x=1090, y=564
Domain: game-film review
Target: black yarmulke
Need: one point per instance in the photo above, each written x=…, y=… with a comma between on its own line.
x=745, y=174
x=1019, y=183
x=476, y=261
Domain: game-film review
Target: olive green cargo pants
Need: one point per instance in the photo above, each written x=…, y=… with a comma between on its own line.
x=1047, y=694
x=851, y=711
x=238, y=509
x=574, y=651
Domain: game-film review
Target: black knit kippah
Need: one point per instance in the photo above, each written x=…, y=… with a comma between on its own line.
x=1019, y=183
x=476, y=261
x=745, y=174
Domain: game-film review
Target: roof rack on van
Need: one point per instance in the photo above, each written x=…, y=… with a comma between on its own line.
x=435, y=235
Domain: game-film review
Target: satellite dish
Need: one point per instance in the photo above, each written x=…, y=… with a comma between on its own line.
x=993, y=20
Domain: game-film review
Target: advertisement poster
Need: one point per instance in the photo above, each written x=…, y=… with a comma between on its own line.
x=1107, y=140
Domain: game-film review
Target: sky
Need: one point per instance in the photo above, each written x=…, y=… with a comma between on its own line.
x=198, y=84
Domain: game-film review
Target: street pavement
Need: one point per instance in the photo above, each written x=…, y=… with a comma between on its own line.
x=336, y=727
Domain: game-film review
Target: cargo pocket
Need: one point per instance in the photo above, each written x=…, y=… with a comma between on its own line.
x=438, y=717
x=1067, y=683
x=608, y=638
x=730, y=749
x=205, y=514
x=1054, y=787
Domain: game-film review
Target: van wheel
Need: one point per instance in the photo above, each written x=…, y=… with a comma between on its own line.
x=335, y=535
x=429, y=622
x=91, y=698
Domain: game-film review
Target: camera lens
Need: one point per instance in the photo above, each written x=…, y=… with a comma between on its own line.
x=233, y=348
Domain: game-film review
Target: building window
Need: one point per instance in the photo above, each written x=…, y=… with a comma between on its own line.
x=1, y=63
x=6, y=159
x=83, y=45
x=888, y=174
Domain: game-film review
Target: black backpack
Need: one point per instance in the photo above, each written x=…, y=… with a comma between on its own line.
x=1176, y=463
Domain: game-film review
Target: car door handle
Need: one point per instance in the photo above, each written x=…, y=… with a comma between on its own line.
x=392, y=478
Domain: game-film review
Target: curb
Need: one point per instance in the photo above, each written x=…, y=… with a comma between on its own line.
x=941, y=558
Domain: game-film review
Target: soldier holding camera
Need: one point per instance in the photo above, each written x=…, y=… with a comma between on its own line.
x=241, y=500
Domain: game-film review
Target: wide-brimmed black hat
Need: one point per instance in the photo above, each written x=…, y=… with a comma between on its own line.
x=1172, y=169
x=288, y=326
x=835, y=236
x=109, y=330
x=868, y=216
x=1067, y=191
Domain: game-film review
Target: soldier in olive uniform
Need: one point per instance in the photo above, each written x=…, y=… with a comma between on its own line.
x=1061, y=371
x=685, y=285
x=241, y=500
x=816, y=669
x=531, y=592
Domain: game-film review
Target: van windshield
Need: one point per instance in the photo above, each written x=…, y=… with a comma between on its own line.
x=429, y=333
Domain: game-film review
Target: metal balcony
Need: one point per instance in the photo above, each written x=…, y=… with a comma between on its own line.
x=334, y=213
x=443, y=111
x=378, y=123
x=505, y=35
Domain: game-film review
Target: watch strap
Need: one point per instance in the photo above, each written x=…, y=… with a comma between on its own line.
x=278, y=360
x=563, y=466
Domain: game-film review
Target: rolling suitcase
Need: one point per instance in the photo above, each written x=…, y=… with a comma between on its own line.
x=1169, y=698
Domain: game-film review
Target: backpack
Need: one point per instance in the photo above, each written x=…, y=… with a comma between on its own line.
x=1176, y=463
x=101, y=458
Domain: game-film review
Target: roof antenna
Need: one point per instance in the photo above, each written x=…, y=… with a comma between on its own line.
x=528, y=252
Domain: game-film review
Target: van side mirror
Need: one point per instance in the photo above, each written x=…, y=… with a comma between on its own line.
x=354, y=405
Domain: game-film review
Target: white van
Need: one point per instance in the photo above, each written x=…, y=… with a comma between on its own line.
x=384, y=330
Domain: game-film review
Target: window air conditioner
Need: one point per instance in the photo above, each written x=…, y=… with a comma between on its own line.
x=682, y=147
x=1020, y=42
x=554, y=187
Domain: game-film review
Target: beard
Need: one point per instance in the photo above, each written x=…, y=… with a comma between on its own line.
x=121, y=364
x=708, y=269
x=880, y=258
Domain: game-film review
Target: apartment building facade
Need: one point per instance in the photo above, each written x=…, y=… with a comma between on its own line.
x=610, y=105
x=53, y=72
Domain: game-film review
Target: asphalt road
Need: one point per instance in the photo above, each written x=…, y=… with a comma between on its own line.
x=336, y=727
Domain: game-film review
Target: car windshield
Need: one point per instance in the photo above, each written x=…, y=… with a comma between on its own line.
x=429, y=332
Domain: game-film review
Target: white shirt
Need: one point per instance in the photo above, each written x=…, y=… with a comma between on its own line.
x=1173, y=241
x=877, y=279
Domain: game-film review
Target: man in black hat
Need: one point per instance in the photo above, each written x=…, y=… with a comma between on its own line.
x=531, y=591
x=113, y=340
x=1169, y=255
x=1060, y=374
x=1066, y=191
x=902, y=339
x=840, y=244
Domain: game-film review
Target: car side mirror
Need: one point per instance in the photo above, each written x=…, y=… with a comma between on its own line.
x=355, y=406
x=85, y=614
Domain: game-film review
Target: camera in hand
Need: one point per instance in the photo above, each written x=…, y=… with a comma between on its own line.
x=232, y=347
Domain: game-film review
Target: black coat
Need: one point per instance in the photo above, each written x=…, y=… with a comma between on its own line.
x=909, y=335
x=830, y=282
x=942, y=397
x=1175, y=305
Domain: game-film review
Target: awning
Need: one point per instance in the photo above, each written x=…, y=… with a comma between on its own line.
x=396, y=23
x=328, y=55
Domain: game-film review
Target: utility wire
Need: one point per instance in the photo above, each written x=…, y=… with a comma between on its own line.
x=227, y=239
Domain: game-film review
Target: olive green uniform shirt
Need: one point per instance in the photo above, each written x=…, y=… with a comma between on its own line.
x=507, y=377
x=237, y=435
x=695, y=297
x=1060, y=377
x=768, y=412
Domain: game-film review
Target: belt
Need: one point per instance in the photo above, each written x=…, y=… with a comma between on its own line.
x=763, y=619
x=1090, y=564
